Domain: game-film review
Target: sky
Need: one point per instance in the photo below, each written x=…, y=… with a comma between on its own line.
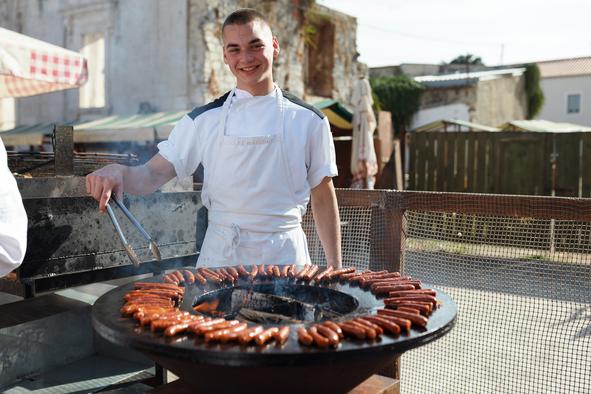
x=391, y=32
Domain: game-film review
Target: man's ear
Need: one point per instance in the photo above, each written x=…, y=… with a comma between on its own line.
x=276, y=48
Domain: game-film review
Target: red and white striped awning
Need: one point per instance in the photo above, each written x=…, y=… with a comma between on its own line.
x=29, y=66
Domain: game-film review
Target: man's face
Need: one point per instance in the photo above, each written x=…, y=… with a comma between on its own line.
x=249, y=51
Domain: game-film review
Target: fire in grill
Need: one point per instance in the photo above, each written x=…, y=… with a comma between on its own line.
x=315, y=306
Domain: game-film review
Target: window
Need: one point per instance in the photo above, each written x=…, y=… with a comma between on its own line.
x=92, y=93
x=573, y=103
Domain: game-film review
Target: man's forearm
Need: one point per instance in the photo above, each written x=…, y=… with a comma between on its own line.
x=147, y=178
x=328, y=224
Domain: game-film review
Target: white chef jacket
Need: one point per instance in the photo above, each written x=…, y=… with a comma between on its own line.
x=311, y=153
x=13, y=219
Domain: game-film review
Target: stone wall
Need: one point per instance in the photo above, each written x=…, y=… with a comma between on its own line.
x=168, y=54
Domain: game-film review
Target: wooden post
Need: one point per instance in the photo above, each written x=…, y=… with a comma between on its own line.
x=63, y=147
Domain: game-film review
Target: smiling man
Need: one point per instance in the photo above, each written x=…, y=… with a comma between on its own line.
x=264, y=152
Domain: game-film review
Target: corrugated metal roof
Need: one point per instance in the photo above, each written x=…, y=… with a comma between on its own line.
x=565, y=67
x=440, y=125
x=480, y=75
x=543, y=126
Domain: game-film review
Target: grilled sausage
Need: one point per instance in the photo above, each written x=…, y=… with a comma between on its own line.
x=211, y=277
x=319, y=340
x=418, y=297
x=189, y=277
x=253, y=272
x=262, y=271
x=324, y=274
x=311, y=272
x=336, y=274
x=370, y=333
x=379, y=331
x=418, y=320
x=333, y=326
x=352, y=330
x=152, y=285
x=387, y=325
x=265, y=336
x=304, y=337
x=232, y=271
x=178, y=328
x=281, y=335
x=225, y=275
x=404, y=324
x=168, y=278
x=402, y=293
x=333, y=337
x=222, y=334
x=285, y=271
x=300, y=275
x=409, y=309
x=248, y=335
x=242, y=271
x=270, y=270
x=292, y=271
x=200, y=278
x=233, y=332
x=276, y=271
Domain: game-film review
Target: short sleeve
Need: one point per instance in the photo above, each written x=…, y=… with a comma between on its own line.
x=182, y=149
x=322, y=159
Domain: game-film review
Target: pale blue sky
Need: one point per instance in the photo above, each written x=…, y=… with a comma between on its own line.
x=432, y=31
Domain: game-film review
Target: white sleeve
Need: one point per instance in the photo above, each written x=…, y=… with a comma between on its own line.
x=322, y=154
x=182, y=149
x=13, y=219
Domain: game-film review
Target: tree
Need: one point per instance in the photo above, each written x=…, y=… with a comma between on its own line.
x=467, y=59
x=401, y=96
x=533, y=91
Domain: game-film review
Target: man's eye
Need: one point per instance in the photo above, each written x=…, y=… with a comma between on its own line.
x=257, y=46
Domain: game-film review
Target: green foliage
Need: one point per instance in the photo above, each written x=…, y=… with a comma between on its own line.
x=467, y=59
x=400, y=95
x=533, y=91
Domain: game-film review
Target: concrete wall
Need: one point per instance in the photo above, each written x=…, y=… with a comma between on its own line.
x=451, y=111
x=490, y=102
x=167, y=54
x=500, y=100
x=556, y=91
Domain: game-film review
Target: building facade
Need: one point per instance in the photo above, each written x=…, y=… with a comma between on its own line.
x=157, y=55
x=566, y=84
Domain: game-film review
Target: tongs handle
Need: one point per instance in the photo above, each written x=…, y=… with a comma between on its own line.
x=130, y=252
x=153, y=246
x=133, y=220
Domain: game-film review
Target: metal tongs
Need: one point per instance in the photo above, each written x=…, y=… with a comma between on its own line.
x=128, y=248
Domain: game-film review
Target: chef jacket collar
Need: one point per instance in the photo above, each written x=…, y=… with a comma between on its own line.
x=240, y=94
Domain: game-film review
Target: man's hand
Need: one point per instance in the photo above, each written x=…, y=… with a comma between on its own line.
x=102, y=183
x=116, y=178
x=328, y=224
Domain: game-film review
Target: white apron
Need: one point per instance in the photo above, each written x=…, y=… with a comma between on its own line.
x=253, y=214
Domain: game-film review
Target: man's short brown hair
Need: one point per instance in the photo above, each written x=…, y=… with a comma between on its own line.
x=243, y=16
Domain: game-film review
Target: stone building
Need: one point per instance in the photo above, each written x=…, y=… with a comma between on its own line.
x=160, y=55
x=489, y=97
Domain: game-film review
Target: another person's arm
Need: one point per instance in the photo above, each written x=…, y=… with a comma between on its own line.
x=13, y=220
x=328, y=224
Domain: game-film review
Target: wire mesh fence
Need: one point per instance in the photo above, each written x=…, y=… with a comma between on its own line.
x=519, y=269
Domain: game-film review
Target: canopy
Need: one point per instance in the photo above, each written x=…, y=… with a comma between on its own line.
x=139, y=127
x=543, y=126
x=454, y=125
x=29, y=66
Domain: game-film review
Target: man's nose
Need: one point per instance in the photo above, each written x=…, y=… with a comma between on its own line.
x=247, y=57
